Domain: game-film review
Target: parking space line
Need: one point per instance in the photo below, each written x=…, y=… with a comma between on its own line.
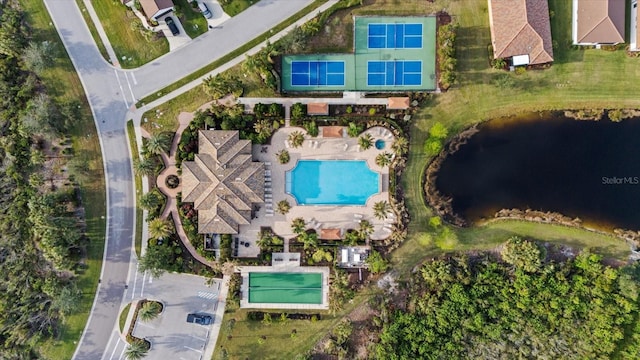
x=115, y=348
x=142, y=287
x=135, y=281
x=196, y=350
x=124, y=349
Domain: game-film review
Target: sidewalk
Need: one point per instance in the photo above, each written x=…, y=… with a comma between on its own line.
x=103, y=35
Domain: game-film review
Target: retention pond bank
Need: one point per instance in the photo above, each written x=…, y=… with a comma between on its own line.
x=547, y=162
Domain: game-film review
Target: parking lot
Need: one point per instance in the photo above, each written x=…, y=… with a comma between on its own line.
x=170, y=335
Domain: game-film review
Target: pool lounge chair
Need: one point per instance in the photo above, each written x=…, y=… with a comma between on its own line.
x=318, y=226
x=358, y=216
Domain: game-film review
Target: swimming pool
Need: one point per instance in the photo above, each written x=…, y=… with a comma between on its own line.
x=332, y=182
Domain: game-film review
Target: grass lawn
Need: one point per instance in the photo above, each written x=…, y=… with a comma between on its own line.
x=165, y=116
x=138, y=180
x=235, y=7
x=63, y=83
x=193, y=22
x=93, y=30
x=120, y=25
x=578, y=79
x=123, y=317
x=246, y=334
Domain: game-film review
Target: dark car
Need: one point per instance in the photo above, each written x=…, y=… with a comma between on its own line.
x=199, y=319
x=172, y=25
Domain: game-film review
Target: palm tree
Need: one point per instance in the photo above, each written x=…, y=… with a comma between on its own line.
x=136, y=350
x=380, y=209
x=159, y=228
x=365, y=141
x=284, y=207
x=283, y=156
x=384, y=159
x=144, y=166
x=149, y=311
x=365, y=230
x=296, y=139
x=354, y=130
x=263, y=127
x=298, y=225
x=149, y=201
x=158, y=144
x=400, y=146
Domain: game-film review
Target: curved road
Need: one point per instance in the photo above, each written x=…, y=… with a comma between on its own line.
x=111, y=92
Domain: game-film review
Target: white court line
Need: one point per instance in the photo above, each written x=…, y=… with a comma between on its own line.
x=114, y=348
x=121, y=89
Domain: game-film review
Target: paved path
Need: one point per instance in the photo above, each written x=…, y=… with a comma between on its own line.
x=111, y=92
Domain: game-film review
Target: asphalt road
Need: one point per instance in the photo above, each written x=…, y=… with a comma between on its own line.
x=111, y=92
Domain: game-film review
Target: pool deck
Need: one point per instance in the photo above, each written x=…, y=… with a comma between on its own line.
x=317, y=216
x=292, y=268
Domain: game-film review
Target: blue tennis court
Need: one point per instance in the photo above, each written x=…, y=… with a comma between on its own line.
x=317, y=73
x=395, y=36
x=383, y=73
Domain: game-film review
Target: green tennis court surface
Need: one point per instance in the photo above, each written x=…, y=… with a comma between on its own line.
x=285, y=288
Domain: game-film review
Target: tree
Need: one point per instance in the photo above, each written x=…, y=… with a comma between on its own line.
x=157, y=144
x=354, y=129
x=156, y=260
x=137, y=350
x=150, y=200
x=438, y=131
x=381, y=209
x=384, y=159
x=312, y=128
x=522, y=254
x=400, y=146
x=298, y=225
x=283, y=207
x=432, y=146
x=263, y=128
x=160, y=228
x=39, y=55
x=220, y=85
x=149, y=311
x=298, y=111
x=377, y=264
x=365, y=141
x=309, y=241
x=68, y=300
x=365, y=229
x=296, y=139
x=145, y=166
x=283, y=156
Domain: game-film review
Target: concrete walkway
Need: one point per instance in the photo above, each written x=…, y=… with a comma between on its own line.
x=103, y=35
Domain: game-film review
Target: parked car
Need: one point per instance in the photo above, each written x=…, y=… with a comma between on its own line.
x=172, y=25
x=201, y=319
x=205, y=10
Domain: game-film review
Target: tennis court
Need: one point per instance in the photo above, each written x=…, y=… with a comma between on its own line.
x=317, y=73
x=399, y=72
x=285, y=288
x=395, y=36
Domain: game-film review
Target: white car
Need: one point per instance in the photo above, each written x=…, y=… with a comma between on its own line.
x=205, y=10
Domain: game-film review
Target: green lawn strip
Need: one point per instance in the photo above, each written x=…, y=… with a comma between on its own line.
x=123, y=317
x=62, y=83
x=193, y=22
x=279, y=344
x=133, y=144
x=127, y=41
x=481, y=94
x=232, y=55
x=235, y=7
x=93, y=30
x=165, y=116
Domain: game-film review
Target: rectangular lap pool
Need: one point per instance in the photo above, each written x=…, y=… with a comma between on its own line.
x=332, y=182
x=285, y=288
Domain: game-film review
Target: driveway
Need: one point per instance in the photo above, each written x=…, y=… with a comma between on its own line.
x=218, y=14
x=175, y=41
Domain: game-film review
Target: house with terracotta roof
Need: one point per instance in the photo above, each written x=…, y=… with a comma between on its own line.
x=634, y=41
x=223, y=182
x=598, y=22
x=154, y=9
x=521, y=31
x=317, y=109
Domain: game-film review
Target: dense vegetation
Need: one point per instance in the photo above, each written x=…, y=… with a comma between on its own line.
x=520, y=306
x=41, y=239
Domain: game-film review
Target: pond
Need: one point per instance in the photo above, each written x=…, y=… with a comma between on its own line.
x=547, y=162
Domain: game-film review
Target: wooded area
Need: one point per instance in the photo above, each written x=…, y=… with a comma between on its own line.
x=42, y=235
x=521, y=305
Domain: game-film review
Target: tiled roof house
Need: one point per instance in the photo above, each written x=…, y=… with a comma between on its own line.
x=521, y=27
x=222, y=182
x=154, y=9
x=598, y=22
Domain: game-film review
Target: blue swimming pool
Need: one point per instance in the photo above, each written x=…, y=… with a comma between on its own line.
x=332, y=182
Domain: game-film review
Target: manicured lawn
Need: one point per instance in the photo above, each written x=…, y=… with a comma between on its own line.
x=123, y=317
x=138, y=180
x=93, y=30
x=121, y=26
x=193, y=22
x=166, y=119
x=235, y=7
x=63, y=83
x=578, y=79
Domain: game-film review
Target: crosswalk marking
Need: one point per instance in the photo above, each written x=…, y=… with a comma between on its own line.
x=207, y=295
